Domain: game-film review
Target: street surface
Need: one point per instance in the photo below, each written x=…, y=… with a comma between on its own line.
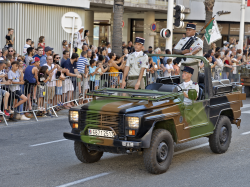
x=35, y=154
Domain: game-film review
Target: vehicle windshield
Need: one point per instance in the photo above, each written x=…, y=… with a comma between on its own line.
x=133, y=94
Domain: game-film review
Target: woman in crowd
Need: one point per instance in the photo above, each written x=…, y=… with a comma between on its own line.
x=10, y=39
x=152, y=69
x=114, y=68
x=86, y=34
x=65, y=45
x=56, y=59
x=219, y=66
x=42, y=43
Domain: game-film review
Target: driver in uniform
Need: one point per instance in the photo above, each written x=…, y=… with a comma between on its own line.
x=187, y=84
x=196, y=50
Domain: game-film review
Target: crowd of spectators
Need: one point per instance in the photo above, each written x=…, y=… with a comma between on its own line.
x=28, y=78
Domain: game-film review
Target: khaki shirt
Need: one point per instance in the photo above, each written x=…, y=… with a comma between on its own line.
x=197, y=43
x=136, y=63
x=190, y=85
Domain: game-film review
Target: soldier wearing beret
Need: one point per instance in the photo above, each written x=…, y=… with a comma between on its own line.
x=136, y=65
x=196, y=50
x=187, y=73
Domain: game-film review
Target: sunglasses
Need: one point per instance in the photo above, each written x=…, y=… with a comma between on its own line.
x=11, y=51
x=0, y=51
x=58, y=57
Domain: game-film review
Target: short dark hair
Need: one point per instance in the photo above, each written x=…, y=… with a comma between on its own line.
x=1, y=62
x=39, y=48
x=29, y=50
x=74, y=56
x=210, y=51
x=9, y=57
x=207, y=55
x=28, y=39
x=64, y=52
x=217, y=49
x=15, y=62
x=167, y=51
x=91, y=62
x=100, y=58
x=84, y=53
x=107, y=43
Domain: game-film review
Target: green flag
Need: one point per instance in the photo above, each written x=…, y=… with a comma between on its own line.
x=212, y=32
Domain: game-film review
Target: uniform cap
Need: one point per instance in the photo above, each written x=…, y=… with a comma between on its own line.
x=191, y=26
x=188, y=69
x=139, y=40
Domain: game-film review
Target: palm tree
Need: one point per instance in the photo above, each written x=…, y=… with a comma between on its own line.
x=209, y=5
x=117, y=27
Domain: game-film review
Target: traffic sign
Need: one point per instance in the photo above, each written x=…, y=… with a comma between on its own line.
x=67, y=22
x=153, y=27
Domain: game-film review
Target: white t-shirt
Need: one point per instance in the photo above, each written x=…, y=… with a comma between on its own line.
x=26, y=46
x=52, y=82
x=15, y=77
x=166, y=73
x=109, y=50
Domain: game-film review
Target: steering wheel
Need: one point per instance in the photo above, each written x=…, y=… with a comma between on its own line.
x=179, y=87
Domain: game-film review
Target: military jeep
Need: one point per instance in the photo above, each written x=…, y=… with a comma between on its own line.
x=150, y=121
x=245, y=79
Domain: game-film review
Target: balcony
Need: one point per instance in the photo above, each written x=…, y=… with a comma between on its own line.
x=140, y=5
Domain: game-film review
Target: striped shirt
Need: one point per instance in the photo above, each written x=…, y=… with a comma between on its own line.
x=81, y=64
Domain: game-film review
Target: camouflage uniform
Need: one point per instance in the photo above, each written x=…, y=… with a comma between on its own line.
x=135, y=64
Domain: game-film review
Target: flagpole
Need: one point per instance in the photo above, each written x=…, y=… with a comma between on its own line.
x=242, y=24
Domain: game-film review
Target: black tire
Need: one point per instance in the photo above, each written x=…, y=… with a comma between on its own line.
x=220, y=140
x=85, y=155
x=246, y=90
x=154, y=159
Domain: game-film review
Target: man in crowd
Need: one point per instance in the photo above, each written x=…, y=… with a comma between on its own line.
x=48, y=52
x=52, y=84
x=150, y=49
x=4, y=93
x=130, y=47
x=89, y=54
x=26, y=46
x=136, y=65
x=123, y=45
x=39, y=53
x=29, y=57
x=79, y=41
x=31, y=79
x=71, y=65
x=65, y=57
x=84, y=47
x=211, y=53
x=1, y=54
x=4, y=53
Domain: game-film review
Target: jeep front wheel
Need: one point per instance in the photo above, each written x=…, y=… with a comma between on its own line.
x=158, y=157
x=220, y=140
x=85, y=155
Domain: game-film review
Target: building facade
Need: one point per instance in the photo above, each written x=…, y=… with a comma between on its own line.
x=35, y=18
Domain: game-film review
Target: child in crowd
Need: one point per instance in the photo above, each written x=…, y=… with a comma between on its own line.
x=86, y=82
x=60, y=78
x=152, y=68
x=98, y=75
x=17, y=78
x=65, y=45
x=169, y=68
x=176, y=68
x=43, y=78
x=93, y=70
x=42, y=43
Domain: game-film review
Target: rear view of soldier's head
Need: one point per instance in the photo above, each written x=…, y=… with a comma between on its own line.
x=190, y=29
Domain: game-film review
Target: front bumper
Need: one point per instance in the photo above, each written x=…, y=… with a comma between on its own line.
x=103, y=141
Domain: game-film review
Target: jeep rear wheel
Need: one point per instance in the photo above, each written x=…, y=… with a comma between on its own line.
x=220, y=140
x=85, y=155
x=158, y=157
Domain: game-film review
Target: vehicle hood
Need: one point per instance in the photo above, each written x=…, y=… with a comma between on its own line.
x=126, y=106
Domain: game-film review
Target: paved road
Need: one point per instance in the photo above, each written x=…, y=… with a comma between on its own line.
x=35, y=154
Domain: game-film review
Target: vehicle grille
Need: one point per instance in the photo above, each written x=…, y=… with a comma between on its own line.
x=104, y=119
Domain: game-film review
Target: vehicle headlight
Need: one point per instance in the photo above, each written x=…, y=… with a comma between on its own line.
x=133, y=122
x=73, y=115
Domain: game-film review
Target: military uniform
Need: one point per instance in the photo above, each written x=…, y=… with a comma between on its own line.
x=194, y=63
x=135, y=62
x=187, y=86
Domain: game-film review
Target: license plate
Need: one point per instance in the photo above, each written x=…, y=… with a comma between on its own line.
x=103, y=133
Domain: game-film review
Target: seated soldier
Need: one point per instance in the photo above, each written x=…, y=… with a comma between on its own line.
x=187, y=73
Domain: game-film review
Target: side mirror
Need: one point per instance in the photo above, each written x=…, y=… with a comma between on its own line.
x=192, y=94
